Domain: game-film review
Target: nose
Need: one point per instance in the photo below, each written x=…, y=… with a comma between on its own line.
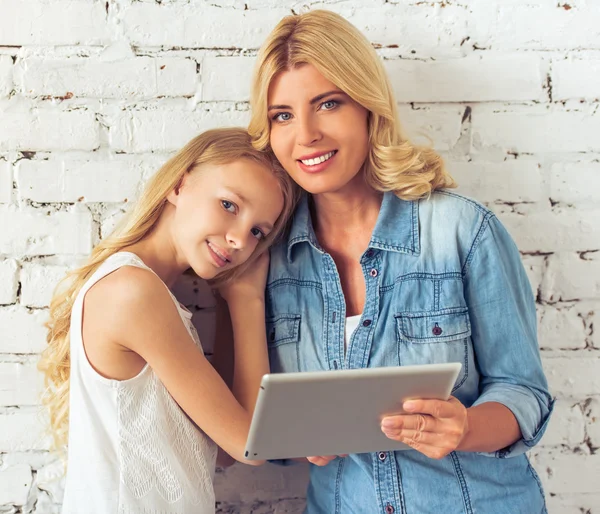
x=308, y=131
x=237, y=237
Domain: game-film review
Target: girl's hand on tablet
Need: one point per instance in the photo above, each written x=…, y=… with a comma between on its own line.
x=432, y=427
x=323, y=460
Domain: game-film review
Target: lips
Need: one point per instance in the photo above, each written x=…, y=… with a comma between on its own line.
x=317, y=162
x=220, y=256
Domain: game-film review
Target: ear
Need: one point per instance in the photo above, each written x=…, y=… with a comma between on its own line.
x=173, y=196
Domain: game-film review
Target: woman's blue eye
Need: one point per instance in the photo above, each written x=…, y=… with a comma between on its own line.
x=282, y=116
x=257, y=233
x=228, y=206
x=329, y=104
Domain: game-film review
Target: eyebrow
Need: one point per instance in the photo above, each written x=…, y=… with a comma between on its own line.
x=313, y=101
x=237, y=193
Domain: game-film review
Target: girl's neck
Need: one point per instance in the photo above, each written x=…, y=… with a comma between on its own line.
x=158, y=251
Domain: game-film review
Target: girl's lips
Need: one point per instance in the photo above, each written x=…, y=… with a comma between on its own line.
x=317, y=168
x=218, y=260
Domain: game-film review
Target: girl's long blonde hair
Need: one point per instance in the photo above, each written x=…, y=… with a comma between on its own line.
x=218, y=146
x=345, y=57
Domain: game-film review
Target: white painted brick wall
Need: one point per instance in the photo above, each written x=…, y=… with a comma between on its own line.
x=95, y=95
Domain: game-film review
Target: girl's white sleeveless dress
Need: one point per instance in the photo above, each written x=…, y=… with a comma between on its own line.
x=132, y=450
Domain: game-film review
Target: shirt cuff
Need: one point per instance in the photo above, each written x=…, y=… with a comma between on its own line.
x=532, y=414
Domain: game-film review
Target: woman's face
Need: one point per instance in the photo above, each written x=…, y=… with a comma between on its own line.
x=318, y=133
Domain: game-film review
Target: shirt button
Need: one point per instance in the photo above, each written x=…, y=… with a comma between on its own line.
x=373, y=273
x=370, y=254
x=366, y=322
x=389, y=509
x=437, y=330
x=381, y=456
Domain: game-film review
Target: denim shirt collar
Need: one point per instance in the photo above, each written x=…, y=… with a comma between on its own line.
x=396, y=229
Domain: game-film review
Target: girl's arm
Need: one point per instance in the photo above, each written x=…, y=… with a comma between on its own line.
x=144, y=319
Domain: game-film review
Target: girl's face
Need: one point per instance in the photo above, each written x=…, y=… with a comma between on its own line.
x=318, y=133
x=221, y=213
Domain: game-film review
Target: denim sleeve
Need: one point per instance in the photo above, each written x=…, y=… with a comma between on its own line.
x=504, y=332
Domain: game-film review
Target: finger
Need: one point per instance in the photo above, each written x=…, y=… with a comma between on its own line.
x=436, y=408
x=321, y=460
x=433, y=452
x=448, y=441
x=421, y=422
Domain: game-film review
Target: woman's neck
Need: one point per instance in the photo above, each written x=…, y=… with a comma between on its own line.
x=346, y=211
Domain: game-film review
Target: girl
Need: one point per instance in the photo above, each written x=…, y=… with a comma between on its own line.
x=384, y=267
x=125, y=365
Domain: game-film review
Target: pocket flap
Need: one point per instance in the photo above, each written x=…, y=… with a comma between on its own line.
x=283, y=329
x=434, y=327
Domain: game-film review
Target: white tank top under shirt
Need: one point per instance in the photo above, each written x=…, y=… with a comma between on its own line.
x=132, y=450
x=351, y=324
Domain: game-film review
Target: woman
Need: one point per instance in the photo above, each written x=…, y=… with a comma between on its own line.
x=383, y=267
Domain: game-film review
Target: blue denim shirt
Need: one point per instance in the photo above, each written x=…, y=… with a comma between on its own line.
x=444, y=283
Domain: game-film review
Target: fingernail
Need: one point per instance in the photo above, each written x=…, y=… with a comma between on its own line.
x=409, y=405
x=387, y=423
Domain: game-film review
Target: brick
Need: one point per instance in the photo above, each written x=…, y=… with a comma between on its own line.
x=591, y=411
x=38, y=282
x=198, y=25
x=167, y=130
x=534, y=267
x=23, y=331
x=23, y=430
x=8, y=281
x=25, y=127
x=554, y=231
x=570, y=277
x=535, y=130
x=15, y=484
x=6, y=182
x=425, y=27
x=441, y=124
x=36, y=232
x=576, y=79
x=509, y=181
x=564, y=472
x=514, y=26
x=226, y=78
x=51, y=479
x=474, y=78
x=60, y=22
x=576, y=376
x=6, y=72
x=561, y=327
x=79, y=181
x=573, y=503
x=567, y=425
x=20, y=384
x=142, y=77
x=575, y=183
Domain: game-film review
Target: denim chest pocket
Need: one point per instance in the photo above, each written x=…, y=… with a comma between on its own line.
x=435, y=337
x=283, y=335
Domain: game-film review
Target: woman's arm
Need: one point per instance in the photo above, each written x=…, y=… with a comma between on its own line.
x=514, y=405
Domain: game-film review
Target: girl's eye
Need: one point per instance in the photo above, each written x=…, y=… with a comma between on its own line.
x=329, y=104
x=257, y=233
x=282, y=116
x=228, y=206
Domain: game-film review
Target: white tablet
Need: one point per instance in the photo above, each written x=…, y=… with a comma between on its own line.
x=338, y=412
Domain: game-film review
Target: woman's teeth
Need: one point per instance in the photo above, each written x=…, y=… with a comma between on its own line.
x=218, y=252
x=318, y=160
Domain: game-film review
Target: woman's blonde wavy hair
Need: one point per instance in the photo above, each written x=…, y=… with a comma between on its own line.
x=218, y=146
x=345, y=57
